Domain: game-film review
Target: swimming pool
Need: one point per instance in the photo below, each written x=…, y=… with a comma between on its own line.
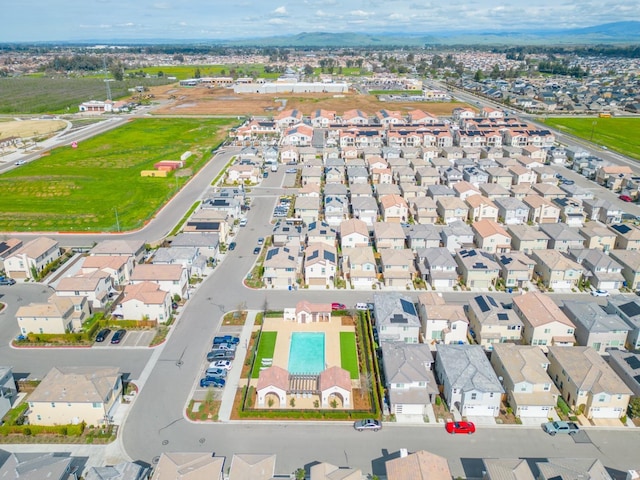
x=306, y=353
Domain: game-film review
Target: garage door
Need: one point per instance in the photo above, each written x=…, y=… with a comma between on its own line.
x=409, y=409
x=442, y=283
x=561, y=284
x=477, y=411
x=533, y=411
x=606, y=412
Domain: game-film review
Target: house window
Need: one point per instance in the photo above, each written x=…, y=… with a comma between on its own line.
x=547, y=387
x=96, y=405
x=601, y=398
x=53, y=404
x=474, y=396
x=39, y=417
x=547, y=330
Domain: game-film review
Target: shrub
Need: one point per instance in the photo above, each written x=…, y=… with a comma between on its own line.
x=562, y=405
x=26, y=431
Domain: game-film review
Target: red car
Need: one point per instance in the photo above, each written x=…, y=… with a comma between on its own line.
x=460, y=427
x=338, y=306
x=625, y=198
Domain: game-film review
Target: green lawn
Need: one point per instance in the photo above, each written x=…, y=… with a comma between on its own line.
x=619, y=134
x=265, y=350
x=182, y=72
x=349, y=354
x=81, y=189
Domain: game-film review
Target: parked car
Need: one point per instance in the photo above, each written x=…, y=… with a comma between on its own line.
x=216, y=372
x=118, y=336
x=560, y=427
x=361, y=306
x=225, y=339
x=7, y=281
x=338, y=306
x=225, y=364
x=232, y=246
x=216, y=382
x=256, y=251
x=216, y=354
x=367, y=424
x=625, y=198
x=291, y=170
x=21, y=162
x=566, y=181
x=261, y=241
x=103, y=334
x=243, y=222
x=460, y=427
x=599, y=293
x=265, y=174
x=225, y=346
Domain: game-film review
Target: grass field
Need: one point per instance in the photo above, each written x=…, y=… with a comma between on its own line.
x=619, y=134
x=30, y=128
x=349, y=354
x=182, y=72
x=395, y=92
x=265, y=350
x=80, y=189
x=60, y=95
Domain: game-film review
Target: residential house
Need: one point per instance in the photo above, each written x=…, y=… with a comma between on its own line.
x=468, y=381
x=394, y=208
x=70, y=395
x=334, y=175
x=307, y=208
x=527, y=238
x=627, y=367
x=8, y=390
x=571, y=211
x=397, y=266
x=481, y=208
x=322, y=118
x=512, y=211
x=491, y=323
x=426, y=176
x=170, y=278
x=359, y=266
x=389, y=235
x=611, y=175
x=500, y=176
x=421, y=465
x=119, y=471
x=144, y=301
x=477, y=268
x=252, y=467
x=562, y=237
x=474, y=176
x=627, y=236
x=602, y=271
x=327, y=471
x=573, y=467
x=311, y=175
x=521, y=191
x=548, y=191
x=588, y=383
x=187, y=466
x=94, y=286
x=543, y=321
x=630, y=262
x=307, y=312
x=57, y=315
x=457, y=235
x=396, y=318
x=320, y=264
x=409, y=380
x=597, y=235
x=441, y=323
x=629, y=310
x=522, y=175
x=365, y=208
x=556, y=270
x=51, y=466
x=507, y=469
x=491, y=237
x=243, y=174
x=523, y=370
x=336, y=209
x=118, y=267
x=451, y=209
x=209, y=221
x=287, y=118
x=424, y=210
x=541, y=210
x=207, y=243
x=422, y=236
x=7, y=247
x=354, y=233
x=188, y=257
x=516, y=269
x=602, y=210
x=321, y=232
x=288, y=233
x=437, y=267
x=596, y=328
x=281, y=267
x=31, y=258
x=493, y=191
x=465, y=190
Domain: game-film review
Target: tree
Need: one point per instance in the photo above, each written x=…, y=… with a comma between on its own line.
x=308, y=69
x=197, y=73
x=478, y=76
x=634, y=407
x=117, y=71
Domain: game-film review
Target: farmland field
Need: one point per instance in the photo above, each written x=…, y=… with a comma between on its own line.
x=80, y=189
x=619, y=134
x=182, y=72
x=60, y=95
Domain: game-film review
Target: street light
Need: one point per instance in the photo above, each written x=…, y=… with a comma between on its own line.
x=593, y=127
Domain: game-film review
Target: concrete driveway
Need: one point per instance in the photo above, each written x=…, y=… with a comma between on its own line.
x=133, y=338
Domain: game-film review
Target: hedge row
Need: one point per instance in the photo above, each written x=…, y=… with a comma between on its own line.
x=64, y=430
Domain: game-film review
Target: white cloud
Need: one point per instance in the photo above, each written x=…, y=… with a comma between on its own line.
x=161, y=5
x=277, y=21
x=320, y=13
x=360, y=13
x=280, y=11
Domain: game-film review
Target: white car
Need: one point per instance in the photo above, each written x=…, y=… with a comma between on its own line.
x=362, y=306
x=21, y=162
x=599, y=293
x=224, y=364
x=243, y=222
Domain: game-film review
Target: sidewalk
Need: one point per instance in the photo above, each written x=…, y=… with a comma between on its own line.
x=233, y=378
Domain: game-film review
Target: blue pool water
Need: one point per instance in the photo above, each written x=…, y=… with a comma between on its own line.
x=306, y=353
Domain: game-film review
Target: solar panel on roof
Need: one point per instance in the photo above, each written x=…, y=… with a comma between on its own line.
x=637, y=378
x=503, y=316
x=397, y=318
x=621, y=228
x=271, y=253
x=482, y=304
x=630, y=309
x=505, y=260
x=479, y=265
x=633, y=362
x=408, y=307
x=492, y=301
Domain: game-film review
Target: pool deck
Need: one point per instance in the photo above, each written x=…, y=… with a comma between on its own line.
x=331, y=330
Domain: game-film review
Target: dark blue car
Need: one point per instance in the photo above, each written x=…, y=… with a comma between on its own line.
x=226, y=339
x=216, y=382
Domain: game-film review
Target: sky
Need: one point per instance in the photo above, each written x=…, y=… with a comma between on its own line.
x=77, y=20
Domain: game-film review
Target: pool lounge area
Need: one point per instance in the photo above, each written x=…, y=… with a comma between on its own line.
x=306, y=353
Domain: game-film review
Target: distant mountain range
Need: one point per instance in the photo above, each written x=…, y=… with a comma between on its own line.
x=609, y=33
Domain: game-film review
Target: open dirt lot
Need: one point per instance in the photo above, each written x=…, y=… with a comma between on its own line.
x=29, y=128
x=222, y=101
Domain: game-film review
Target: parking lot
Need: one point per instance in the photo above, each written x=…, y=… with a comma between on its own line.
x=133, y=338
